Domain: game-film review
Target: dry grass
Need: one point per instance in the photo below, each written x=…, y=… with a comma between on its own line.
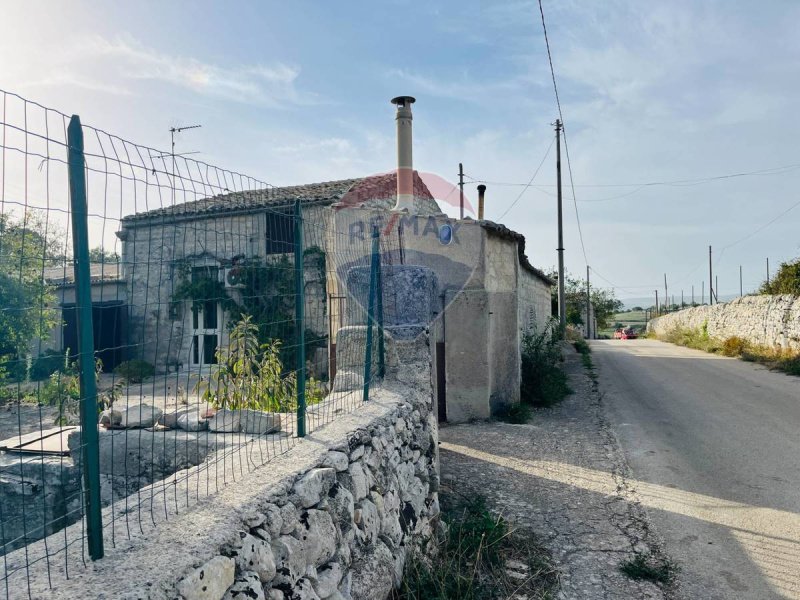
x=777, y=359
x=481, y=557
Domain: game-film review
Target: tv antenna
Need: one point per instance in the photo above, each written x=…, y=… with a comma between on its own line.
x=174, y=130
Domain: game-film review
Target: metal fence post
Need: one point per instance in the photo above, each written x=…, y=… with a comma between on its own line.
x=376, y=256
x=300, y=319
x=83, y=298
x=373, y=276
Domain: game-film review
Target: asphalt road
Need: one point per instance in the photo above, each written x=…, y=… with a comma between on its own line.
x=714, y=448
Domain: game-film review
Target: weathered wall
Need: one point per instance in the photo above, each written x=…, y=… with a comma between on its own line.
x=334, y=517
x=763, y=320
x=151, y=256
x=535, y=305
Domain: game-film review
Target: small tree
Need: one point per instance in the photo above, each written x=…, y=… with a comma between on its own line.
x=604, y=301
x=786, y=280
x=26, y=248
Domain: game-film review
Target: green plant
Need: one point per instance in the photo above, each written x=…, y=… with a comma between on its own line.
x=250, y=375
x=469, y=562
x=135, y=370
x=649, y=568
x=542, y=382
x=582, y=346
x=785, y=281
x=518, y=414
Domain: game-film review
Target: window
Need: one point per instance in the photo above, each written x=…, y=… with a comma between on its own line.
x=280, y=231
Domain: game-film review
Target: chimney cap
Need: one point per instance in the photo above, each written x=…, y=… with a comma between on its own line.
x=481, y=188
x=403, y=100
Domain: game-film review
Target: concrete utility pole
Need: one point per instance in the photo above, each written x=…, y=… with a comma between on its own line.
x=682, y=304
x=588, y=306
x=666, y=292
x=562, y=299
x=461, y=187
x=710, y=279
x=768, y=270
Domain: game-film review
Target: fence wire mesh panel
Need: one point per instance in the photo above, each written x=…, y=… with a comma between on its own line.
x=226, y=318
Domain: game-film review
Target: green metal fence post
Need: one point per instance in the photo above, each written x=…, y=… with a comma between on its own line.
x=300, y=319
x=373, y=276
x=83, y=299
x=376, y=256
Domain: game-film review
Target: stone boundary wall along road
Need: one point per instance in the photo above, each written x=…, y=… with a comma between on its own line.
x=334, y=517
x=762, y=320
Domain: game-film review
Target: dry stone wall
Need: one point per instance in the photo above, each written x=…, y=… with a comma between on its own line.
x=772, y=321
x=334, y=517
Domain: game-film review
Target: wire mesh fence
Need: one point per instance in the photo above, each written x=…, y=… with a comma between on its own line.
x=166, y=326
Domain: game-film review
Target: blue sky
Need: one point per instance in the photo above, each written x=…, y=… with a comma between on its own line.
x=296, y=92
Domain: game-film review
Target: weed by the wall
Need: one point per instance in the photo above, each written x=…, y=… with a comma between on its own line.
x=774, y=358
x=517, y=414
x=542, y=382
x=472, y=559
x=649, y=568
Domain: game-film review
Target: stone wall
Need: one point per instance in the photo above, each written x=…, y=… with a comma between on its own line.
x=763, y=320
x=334, y=517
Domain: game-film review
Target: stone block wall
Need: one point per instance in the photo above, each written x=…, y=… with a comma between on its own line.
x=334, y=517
x=763, y=320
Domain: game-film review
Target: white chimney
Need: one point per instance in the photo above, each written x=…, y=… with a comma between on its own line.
x=405, y=165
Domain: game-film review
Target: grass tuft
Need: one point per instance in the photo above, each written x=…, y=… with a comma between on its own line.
x=517, y=414
x=470, y=560
x=649, y=568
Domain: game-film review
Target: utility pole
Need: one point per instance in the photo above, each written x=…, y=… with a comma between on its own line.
x=710, y=279
x=562, y=300
x=682, y=304
x=657, y=311
x=666, y=292
x=741, y=292
x=588, y=306
x=768, y=270
x=461, y=187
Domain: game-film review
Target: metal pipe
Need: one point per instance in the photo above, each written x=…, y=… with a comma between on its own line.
x=481, y=194
x=405, y=163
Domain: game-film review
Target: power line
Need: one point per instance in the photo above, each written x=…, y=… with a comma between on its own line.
x=676, y=182
x=566, y=145
x=546, y=154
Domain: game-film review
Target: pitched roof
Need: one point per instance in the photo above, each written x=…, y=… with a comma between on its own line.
x=349, y=191
x=63, y=275
x=325, y=192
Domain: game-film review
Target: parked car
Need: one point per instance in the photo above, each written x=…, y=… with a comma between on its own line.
x=625, y=333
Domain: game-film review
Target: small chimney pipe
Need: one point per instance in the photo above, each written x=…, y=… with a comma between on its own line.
x=481, y=193
x=405, y=165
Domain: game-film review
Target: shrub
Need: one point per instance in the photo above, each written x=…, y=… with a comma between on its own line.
x=135, y=371
x=251, y=375
x=542, y=383
x=518, y=414
x=734, y=346
x=52, y=361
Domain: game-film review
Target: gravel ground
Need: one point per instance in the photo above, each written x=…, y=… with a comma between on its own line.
x=563, y=477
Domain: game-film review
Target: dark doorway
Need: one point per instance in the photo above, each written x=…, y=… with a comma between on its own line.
x=107, y=321
x=441, y=383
